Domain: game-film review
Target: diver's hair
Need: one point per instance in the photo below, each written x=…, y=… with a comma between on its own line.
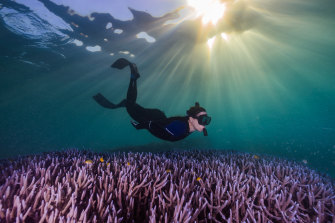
x=193, y=111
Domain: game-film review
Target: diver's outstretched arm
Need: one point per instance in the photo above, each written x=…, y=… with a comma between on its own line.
x=101, y=100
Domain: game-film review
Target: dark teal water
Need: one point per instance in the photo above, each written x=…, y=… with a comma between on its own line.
x=269, y=87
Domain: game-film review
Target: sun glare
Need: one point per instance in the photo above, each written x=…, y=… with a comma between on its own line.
x=224, y=36
x=209, y=10
x=210, y=42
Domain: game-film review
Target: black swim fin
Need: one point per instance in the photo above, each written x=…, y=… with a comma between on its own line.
x=101, y=100
x=120, y=63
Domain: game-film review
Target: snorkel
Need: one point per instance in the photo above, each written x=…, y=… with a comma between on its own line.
x=205, y=132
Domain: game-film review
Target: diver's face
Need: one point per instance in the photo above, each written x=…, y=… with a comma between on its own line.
x=196, y=124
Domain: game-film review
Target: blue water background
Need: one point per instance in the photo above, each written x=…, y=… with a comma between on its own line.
x=270, y=89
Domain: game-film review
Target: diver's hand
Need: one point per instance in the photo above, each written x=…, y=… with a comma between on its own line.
x=137, y=125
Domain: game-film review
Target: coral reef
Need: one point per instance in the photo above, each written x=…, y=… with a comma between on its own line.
x=185, y=186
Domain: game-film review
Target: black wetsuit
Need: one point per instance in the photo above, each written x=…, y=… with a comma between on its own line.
x=154, y=120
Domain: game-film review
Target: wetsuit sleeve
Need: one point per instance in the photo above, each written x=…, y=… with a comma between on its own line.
x=147, y=125
x=159, y=127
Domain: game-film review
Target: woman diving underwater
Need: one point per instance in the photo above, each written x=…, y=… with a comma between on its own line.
x=154, y=120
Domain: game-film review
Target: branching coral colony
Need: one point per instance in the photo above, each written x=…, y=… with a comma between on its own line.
x=185, y=186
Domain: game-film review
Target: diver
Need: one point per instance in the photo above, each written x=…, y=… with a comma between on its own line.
x=154, y=120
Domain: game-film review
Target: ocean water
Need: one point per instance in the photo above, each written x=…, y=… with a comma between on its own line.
x=264, y=71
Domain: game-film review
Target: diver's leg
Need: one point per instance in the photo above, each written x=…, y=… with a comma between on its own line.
x=132, y=92
x=141, y=115
x=134, y=110
x=132, y=89
x=137, y=112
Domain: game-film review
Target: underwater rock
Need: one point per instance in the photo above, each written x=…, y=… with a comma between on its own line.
x=184, y=186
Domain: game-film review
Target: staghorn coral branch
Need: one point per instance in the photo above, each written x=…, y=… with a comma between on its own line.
x=234, y=187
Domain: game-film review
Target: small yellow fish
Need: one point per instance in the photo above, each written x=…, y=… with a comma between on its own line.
x=128, y=163
x=88, y=161
x=199, y=178
x=101, y=159
x=108, y=164
x=255, y=157
x=168, y=171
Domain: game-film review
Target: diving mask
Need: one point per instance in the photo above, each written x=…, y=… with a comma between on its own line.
x=204, y=119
